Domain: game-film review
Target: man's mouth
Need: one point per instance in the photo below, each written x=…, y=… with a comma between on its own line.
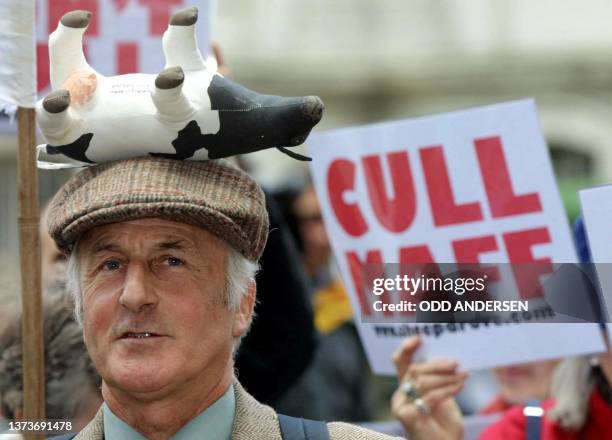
x=139, y=335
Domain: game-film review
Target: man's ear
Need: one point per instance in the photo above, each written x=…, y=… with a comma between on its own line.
x=244, y=312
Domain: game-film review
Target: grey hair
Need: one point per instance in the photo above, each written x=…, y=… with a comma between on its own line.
x=572, y=385
x=240, y=272
x=69, y=372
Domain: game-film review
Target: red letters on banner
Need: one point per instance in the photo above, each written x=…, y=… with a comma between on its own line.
x=443, y=206
x=341, y=179
x=527, y=276
x=396, y=212
x=159, y=13
x=127, y=58
x=526, y=269
x=57, y=8
x=497, y=181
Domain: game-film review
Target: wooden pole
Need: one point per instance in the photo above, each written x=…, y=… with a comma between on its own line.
x=31, y=297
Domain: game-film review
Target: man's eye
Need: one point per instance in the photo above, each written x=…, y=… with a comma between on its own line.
x=111, y=265
x=173, y=261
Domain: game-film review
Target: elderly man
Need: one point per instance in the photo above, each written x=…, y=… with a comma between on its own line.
x=162, y=259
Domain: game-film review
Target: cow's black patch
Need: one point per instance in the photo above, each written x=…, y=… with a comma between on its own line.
x=76, y=150
x=250, y=121
x=189, y=140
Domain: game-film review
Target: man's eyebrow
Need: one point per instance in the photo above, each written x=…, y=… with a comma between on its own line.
x=179, y=244
x=102, y=247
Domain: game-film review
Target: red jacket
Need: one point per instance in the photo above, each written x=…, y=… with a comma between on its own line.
x=513, y=424
x=497, y=405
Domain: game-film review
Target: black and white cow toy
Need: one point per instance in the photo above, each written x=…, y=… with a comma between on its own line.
x=185, y=112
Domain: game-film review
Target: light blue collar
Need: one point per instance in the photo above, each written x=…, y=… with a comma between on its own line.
x=214, y=423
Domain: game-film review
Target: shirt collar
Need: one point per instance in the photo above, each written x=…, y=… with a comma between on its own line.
x=214, y=423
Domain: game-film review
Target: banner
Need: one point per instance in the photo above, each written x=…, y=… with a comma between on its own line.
x=17, y=55
x=473, y=186
x=596, y=206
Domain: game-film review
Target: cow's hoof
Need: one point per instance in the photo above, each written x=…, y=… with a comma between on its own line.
x=76, y=19
x=57, y=101
x=170, y=78
x=185, y=17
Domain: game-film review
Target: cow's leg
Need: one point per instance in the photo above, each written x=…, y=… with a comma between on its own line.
x=180, y=42
x=66, y=47
x=168, y=96
x=54, y=115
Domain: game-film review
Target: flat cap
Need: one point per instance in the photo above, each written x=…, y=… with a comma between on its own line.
x=213, y=194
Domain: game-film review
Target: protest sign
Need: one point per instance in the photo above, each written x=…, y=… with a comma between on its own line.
x=473, y=186
x=596, y=206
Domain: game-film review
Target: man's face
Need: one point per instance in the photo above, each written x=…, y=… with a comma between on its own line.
x=155, y=318
x=522, y=382
x=317, y=249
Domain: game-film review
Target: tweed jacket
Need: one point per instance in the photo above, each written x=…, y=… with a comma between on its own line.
x=253, y=421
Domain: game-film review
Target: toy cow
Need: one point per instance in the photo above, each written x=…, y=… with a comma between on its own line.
x=186, y=112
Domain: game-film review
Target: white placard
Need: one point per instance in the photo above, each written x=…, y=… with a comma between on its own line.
x=596, y=206
x=468, y=186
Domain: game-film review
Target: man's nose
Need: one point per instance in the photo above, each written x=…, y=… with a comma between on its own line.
x=138, y=290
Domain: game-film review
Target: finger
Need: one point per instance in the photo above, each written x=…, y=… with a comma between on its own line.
x=431, y=367
x=429, y=382
x=403, y=355
x=435, y=397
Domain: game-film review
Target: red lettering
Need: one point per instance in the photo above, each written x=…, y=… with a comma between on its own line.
x=57, y=8
x=527, y=269
x=414, y=262
x=120, y=4
x=443, y=206
x=127, y=58
x=42, y=67
x=362, y=277
x=341, y=178
x=469, y=251
x=497, y=181
x=159, y=13
x=396, y=213
x=415, y=254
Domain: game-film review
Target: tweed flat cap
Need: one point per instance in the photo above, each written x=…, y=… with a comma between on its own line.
x=212, y=194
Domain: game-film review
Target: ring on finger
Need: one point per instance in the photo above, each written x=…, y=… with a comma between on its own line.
x=410, y=390
x=421, y=406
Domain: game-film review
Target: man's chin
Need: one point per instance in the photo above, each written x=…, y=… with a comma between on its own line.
x=146, y=378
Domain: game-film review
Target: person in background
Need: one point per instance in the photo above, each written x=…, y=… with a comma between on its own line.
x=331, y=303
x=580, y=407
x=521, y=383
x=53, y=262
x=337, y=383
x=71, y=383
